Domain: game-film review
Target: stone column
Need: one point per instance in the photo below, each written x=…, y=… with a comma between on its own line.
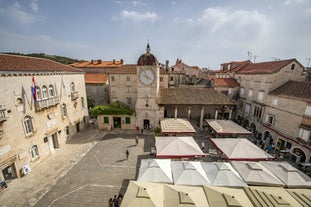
x=175, y=112
x=201, y=117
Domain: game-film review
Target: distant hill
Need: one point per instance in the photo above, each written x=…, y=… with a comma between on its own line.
x=60, y=59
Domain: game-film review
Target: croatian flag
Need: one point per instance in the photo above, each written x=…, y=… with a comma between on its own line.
x=33, y=89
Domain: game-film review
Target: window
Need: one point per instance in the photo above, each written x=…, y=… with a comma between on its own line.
x=44, y=92
x=82, y=102
x=241, y=91
x=129, y=100
x=171, y=78
x=247, y=108
x=260, y=95
x=230, y=91
x=161, y=79
x=34, y=151
x=241, y=104
x=38, y=91
x=106, y=119
x=292, y=67
x=72, y=87
x=258, y=111
x=64, y=110
x=250, y=92
x=51, y=91
x=127, y=120
x=112, y=78
x=128, y=89
x=128, y=78
x=28, y=125
x=274, y=101
x=304, y=134
x=308, y=111
x=270, y=119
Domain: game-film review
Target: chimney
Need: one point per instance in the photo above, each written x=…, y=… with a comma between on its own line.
x=166, y=65
x=122, y=61
x=92, y=61
x=114, y=61
x=99, y=61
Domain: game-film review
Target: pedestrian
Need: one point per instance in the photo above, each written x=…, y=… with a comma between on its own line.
x=137, y=129
x=142, y=131
x=110, y=202
x=127, y=154
x=120, y=198
x=115, y=201
x=136, y=140
x=203, y=146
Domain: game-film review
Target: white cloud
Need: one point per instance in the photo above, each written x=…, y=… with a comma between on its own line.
x=34, y=5
x=287, y=2
x=138, y=3
x=135, y=16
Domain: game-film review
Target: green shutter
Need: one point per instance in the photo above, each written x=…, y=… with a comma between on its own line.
x=106, y=119
x=127, y=120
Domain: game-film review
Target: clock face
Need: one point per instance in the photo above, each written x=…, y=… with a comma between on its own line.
x=146, y=77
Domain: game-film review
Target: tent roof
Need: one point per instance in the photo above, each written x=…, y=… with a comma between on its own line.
x=291, y=176
x=241, y=149
x=271, y=196
x=174, y=125
x=189, y=173
x=254, y=173
x=177, y=147
x=226, y=197
x=227, y=127
x=155, y=170
x=177, y=195
x=222, y=174
x=143, y=194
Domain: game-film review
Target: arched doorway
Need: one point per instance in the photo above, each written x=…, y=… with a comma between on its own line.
x=298, y=155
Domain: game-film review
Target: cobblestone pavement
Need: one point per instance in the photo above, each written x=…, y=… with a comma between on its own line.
x=87, y=171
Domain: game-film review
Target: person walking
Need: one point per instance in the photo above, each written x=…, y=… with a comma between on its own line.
x=110, y=202
x=115, y=201
x=203, y=146
x=136, y=140
x=127, y=154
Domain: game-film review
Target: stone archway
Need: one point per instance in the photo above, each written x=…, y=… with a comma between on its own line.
x=298, y=155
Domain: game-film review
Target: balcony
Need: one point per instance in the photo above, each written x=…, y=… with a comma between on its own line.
x=74, y=95
x=46, y=103
x=3, y=113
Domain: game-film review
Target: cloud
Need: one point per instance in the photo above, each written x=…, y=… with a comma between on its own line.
x=34, y=5
x=138, y=3
x=135, y=16
x=17, y=13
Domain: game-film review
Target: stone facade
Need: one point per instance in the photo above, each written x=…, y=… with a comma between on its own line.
x=33, y=129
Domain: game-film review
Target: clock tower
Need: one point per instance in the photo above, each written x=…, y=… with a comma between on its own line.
x=148, y=72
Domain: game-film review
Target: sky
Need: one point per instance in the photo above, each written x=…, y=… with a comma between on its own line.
x=204, y=33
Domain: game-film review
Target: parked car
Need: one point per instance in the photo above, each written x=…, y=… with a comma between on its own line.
x=3, y=185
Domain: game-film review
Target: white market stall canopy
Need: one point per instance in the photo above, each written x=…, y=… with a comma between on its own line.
x=176, y=126
x=241, y=149
x=177, y=147
x=155, y=170
x=227, y=127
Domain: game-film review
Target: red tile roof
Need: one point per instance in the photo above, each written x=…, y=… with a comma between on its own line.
x=265, y=67
x=125, y=69
x=32, y=64
x=193, y=96
x=294, y=90
x=225, y=82
x=97, y=64
x=96, y=78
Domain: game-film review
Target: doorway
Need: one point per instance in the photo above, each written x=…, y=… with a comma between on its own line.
x=146, y=123
x=9, y=172
x=55, y=141
x=117, y=122
x=78, y=127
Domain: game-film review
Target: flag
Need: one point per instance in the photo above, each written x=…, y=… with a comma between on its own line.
x=33, y=89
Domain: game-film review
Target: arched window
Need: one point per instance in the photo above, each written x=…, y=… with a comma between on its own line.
x=34, y=151
x=72, y=87
x=51, y=91
x=28, y=125
x=64, y=110
x=38, y=91
x=44, y=92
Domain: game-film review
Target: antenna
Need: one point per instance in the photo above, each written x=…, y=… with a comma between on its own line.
x=275, y=59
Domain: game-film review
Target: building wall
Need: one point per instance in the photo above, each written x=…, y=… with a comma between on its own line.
x=123, y=87
x=110, y=124
x=98, y=92
x=18, y=101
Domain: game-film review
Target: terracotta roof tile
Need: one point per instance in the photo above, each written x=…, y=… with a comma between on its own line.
x=294, y=90
x=96, y=78
x=229, y=82
x=264, y=67
x=98, y=64
x=190, y=96
x=125, y=69
x=31, y=64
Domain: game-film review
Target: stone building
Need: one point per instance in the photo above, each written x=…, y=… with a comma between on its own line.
x=272, y=102
x=43, y=103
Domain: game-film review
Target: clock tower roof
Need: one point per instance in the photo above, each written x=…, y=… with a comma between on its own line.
x=147, y=59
